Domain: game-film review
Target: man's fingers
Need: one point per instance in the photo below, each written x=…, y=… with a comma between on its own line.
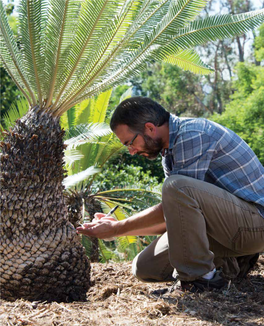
x=86, y=226
x=98, y=216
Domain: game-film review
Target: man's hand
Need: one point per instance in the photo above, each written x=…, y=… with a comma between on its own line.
x=101, y=227
x=148, y=222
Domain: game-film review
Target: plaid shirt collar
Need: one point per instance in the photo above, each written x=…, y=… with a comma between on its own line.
x=174, y=123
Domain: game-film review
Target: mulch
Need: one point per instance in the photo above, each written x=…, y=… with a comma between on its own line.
x=117, y=298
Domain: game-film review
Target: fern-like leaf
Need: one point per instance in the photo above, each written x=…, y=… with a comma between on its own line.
x=73, y=180
x=189, y=60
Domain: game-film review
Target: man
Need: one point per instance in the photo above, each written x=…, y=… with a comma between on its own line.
x=212, y=206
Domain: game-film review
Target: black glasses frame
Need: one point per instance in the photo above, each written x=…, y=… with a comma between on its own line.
x=132, y=141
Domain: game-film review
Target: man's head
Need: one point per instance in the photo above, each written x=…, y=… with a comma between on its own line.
x=139, y=124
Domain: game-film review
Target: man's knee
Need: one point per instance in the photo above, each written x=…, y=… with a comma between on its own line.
x=138, y=268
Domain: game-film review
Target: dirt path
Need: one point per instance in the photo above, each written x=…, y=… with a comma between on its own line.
x=117, y=298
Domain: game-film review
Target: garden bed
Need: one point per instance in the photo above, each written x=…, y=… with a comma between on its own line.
x=117, y=298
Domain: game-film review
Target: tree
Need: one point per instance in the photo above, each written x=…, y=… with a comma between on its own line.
x=223, y=55
x=68, y=51
x=245, y=114
x=179, y=91
x=259, y=44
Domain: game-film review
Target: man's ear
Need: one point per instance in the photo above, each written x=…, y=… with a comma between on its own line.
x=150, y=129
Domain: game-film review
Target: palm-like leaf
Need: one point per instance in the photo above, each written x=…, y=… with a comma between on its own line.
x=70, y=156
x=211, y=28
x=189, y=60
x=83, y=134
x=96, y=141
x=71, y=50
x=16, y=111
x=73, y=180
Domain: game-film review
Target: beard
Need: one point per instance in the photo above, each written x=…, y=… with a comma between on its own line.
x=152, y=147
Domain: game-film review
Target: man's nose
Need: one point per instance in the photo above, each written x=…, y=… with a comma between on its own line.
x=132, y=151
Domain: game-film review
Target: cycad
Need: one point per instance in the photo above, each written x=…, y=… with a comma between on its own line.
x=68, y=51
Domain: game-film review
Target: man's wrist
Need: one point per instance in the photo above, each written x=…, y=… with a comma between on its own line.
x=119, y=228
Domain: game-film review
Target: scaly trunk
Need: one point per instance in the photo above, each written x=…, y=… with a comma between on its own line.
x=74, y=202
x=41, y=257
x=93, y=206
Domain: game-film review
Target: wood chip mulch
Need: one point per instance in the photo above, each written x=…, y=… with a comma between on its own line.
x=117, y=298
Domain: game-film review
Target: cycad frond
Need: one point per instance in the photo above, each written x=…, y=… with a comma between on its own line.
x=196, y=33
x=11, y=57
x=32, y=20
x=16, y=111
x=73, y=180
x=189, y=60
x=210, y=29
x=70, y=156
x=84, y=133
x=71, y=50
x=92, y=32
x=61, y=28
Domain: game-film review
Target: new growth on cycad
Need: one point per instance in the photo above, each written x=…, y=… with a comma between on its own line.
x=67, y=51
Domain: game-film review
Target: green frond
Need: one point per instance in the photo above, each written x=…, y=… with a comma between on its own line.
x=84, y=111
x=93, y=30
x=178, y=14
x=11, y=58
x=16, y=111
x=93, y=110
x=189, y=60
x=72, y=50
x=101, y=106
x=146, y=15
x=70, y=156
x=196, y=33
x=68, y=118
x=106, y=253
x=32, y=21
x=210, y=29
x=73, y=180
x=61, y=30
x=84, y=133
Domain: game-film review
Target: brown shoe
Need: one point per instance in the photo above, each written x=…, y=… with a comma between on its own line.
x=201, y=284
x=246, y=263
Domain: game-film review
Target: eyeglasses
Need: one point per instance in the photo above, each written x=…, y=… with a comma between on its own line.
x=132, y=141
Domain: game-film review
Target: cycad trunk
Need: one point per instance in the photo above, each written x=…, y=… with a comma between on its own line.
x=41, y=257
x=74, y=202
x=93, y=206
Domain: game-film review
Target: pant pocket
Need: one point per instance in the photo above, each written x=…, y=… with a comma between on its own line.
x=248, y=240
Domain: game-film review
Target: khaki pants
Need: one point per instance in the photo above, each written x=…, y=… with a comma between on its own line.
x=204, y=225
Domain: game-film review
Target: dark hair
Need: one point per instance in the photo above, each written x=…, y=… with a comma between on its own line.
x=135, y=112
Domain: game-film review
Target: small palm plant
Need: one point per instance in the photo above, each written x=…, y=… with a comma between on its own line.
x=68, y=51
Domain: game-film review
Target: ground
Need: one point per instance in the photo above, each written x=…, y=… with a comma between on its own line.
x=117, y=298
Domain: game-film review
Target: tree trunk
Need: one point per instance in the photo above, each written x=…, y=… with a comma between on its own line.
x=41, y=257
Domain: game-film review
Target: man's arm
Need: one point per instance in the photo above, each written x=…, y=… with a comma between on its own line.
x=148, y=222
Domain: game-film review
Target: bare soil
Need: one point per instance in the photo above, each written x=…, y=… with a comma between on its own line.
x=117, y=298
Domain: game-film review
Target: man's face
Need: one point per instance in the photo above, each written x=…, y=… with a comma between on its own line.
x=142, y=145
x=152, y=147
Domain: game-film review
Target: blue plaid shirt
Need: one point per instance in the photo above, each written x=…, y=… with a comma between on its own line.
x=207, y=151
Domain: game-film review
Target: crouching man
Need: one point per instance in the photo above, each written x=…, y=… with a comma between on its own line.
x=212, y=210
